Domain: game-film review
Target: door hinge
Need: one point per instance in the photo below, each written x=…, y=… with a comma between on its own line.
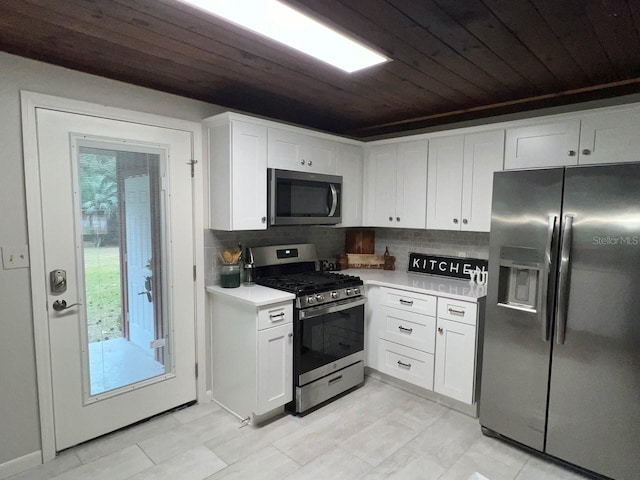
x=196, y=370
x=194, y=273
x=193, y=167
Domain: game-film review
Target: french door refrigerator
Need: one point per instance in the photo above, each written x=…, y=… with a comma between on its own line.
x=561, y=350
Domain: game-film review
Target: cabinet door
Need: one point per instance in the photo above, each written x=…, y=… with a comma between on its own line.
x=350, y=165
x=249, y=160
x=319, y=155
x=542, y=145
x=380, y=186
x=483, y=155
x=455, y=360
x=275, y=367
x=285, y=150
x=444, y=192
x=610, y=137
x=411, y=185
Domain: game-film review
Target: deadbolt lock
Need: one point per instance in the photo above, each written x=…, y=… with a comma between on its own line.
x=58, y=281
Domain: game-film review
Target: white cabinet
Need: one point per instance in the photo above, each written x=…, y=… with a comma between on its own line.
x=289, y=150
x=455, y=359
x=592, y=138
x=252, y=355
x=610, y=137
x=350, y=166
x=237, y=173
x=460, y=180
x=396, y=185
x=406, y=330
x=548, y=144
x=275, y=367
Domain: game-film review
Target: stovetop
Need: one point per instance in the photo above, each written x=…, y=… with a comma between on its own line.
x=310, y=282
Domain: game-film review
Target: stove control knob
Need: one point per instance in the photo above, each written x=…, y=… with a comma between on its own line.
x=356, y=291
x=348, y=292
x=310, y=299
x=320, y=298
x=334, y=295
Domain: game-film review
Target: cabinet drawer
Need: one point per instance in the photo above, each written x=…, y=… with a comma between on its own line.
x=411, y=329
x=274, y=315
x=457, y=310
x=412, y=302
x=406, y=363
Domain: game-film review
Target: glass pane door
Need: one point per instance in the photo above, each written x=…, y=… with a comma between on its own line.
x=121, y=208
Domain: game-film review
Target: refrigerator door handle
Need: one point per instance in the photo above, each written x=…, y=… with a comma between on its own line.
x=544, y=296
x=563, y=280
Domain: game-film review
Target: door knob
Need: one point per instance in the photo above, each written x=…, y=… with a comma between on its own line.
x=60, y=305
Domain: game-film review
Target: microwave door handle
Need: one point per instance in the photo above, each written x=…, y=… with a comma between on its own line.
x=334, y=200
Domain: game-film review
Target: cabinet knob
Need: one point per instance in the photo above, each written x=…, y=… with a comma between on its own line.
x=571, y=153
x=586, y=151
x=391, y=219
x=302, y=162
x=465, y=221
x=455, y=220
x=310, y=162
x=440, y=330
x=397, y=219
x=290, y=334
x=263, y=219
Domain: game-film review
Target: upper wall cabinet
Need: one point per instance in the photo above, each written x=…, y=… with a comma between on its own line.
x=593, y=138
x=551, y=144
x=350, y=165
x=395, y=188
x=237, y=173
x=290, y=150
x=610, y=137
x=460, y=184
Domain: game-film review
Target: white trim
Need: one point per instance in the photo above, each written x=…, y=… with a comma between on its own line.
x=20, y=464
x=29, y=102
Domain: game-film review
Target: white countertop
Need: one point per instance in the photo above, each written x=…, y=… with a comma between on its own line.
x=415, y=282
x=255, y=295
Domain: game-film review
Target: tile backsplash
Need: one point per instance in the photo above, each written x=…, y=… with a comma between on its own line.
x=330, y=242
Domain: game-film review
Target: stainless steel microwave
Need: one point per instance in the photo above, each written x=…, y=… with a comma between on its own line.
x=303, y=198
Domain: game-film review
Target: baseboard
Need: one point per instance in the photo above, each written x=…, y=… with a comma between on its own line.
x=20, y=464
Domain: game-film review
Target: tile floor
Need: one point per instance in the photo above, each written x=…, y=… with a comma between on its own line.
x=375, y=432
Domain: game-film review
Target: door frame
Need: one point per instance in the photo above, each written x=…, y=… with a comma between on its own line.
x=29, y=102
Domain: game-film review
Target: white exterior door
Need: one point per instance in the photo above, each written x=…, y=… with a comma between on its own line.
x=99, y=382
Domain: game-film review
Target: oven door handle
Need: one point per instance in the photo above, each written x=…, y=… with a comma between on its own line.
x=333, y=308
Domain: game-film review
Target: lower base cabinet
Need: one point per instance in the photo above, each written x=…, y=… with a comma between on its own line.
x=455, y=360
x=425, y=340
x=252, y=356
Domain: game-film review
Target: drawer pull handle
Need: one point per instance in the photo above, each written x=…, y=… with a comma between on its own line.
x=453, y=311
x=405, y=365
x=406, y=302
x=278, y=317
x=404, y=329
x=334, y=380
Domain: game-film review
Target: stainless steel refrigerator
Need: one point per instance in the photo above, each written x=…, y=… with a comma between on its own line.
x=561, y=351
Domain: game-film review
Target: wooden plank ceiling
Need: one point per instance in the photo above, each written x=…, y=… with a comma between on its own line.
x=452, y=59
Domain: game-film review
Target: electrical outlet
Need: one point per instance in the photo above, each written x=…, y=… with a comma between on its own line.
x=462, y=254
x=15, y=257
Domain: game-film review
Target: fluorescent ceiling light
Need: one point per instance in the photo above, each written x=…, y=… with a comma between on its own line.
x=280, y=22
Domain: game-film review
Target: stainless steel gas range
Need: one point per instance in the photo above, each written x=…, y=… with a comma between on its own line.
x=328, y=329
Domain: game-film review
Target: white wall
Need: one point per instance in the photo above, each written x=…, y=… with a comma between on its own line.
x=19, y=419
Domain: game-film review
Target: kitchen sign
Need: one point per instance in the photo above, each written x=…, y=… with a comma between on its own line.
x=463, y=268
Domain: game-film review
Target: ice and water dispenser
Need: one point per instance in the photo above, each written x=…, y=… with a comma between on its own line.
x=520, y=272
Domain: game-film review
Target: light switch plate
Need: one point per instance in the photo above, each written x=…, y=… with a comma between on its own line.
x=15, y=257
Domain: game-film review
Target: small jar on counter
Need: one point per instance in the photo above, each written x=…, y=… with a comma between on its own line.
x=230, y=275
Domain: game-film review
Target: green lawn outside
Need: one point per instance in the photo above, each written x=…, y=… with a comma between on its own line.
x=102, y=275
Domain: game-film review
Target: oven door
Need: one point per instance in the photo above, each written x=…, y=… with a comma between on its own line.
x=328, y=338
x=301, y=198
